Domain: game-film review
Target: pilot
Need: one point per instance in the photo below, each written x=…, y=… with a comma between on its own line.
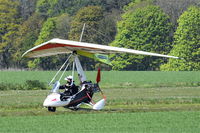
x=70, y=88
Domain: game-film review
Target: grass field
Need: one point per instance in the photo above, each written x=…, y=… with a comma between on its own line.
x=113, y=79
x=118, y=100
x=140, y=102
x=149, y=122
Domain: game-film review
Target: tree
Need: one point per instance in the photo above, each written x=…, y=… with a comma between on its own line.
x=28, y=33
x=49, y=8
x=63, y=26
x=27, y=8
x=175, y=8
x=47, y=31
x=9, y=24
x=117, y=4
x=100, y=28
x=56, y=27
x=72, y=6
x=143, y=27
x=91, y=16
x=187, y=43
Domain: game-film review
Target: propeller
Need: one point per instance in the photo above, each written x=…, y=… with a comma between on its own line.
x=98, y=79
x=100, y=104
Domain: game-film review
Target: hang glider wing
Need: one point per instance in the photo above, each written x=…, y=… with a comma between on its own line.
x=59, y=46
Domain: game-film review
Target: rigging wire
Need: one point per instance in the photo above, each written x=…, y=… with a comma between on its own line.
x=64, y=71
x=99, y=32
x=60, y=69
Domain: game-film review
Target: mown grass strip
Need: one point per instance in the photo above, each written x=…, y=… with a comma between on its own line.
x=24, y=102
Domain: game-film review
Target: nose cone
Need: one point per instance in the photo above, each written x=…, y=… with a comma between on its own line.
x=51, y=100
x=46, y=102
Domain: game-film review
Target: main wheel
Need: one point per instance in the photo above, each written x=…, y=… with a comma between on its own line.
x=52, y=109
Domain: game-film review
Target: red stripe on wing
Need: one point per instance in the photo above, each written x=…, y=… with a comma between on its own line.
x=55, y=45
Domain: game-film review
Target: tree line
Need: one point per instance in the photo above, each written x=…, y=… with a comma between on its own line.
x=165, y=27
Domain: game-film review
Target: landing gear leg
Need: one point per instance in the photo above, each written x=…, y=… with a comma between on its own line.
x=52, y=109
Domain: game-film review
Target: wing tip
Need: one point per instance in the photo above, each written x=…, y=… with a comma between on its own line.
x=24, y=55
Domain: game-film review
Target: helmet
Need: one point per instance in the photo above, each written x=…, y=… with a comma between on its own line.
x=68, y=77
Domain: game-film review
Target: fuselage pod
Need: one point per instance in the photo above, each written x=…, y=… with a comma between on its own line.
x=53, y=100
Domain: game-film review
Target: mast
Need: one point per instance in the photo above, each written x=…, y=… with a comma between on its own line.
x=79, y=68
x=82, y=32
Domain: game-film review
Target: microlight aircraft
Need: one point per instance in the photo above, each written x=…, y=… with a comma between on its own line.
x=86, y=89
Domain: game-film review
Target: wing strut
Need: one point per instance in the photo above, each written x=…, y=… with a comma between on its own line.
x=80, y=71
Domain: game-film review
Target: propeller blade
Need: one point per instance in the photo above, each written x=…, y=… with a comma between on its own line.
x=98, y=79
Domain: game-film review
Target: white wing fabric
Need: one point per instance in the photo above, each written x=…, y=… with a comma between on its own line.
x=59, y=46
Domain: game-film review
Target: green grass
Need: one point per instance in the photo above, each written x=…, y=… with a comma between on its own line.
x=140, y=102
x=149, y=122
x=138, y=90
x=113, y=79
x=13, y=103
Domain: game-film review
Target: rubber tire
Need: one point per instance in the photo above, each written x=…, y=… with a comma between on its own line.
x=52, y=109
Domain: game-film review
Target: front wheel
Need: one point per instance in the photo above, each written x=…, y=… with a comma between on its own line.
x=52, y=109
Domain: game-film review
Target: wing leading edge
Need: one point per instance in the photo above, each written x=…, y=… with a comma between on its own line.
x=60, y=46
